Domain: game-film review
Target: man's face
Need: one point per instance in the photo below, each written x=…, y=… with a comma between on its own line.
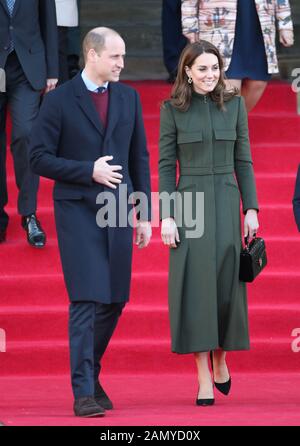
x=109, y=63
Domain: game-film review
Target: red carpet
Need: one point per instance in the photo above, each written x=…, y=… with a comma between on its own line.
x=149, y=384
x=154, y=400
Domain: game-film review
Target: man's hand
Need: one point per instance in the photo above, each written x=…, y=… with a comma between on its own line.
x=143, y=234
x=51, y=84
x=106, y=174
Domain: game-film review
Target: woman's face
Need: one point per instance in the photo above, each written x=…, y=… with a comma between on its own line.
x=205, y=73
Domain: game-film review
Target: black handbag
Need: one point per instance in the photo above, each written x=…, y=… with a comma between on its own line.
x=253, y=259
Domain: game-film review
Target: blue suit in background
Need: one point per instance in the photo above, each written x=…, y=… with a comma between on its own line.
x=29, y=56
x=173, y=39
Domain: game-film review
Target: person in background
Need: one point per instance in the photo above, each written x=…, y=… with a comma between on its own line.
x=204, y=128
x=74, y=43
x=244, y=32
x=173, y=40
x=67, y=17
x=29, y=57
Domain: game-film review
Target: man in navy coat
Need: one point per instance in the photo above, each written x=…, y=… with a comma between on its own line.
x=90, y=138
x=296, y=200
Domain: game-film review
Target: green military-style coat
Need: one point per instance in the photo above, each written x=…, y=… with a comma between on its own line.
x=207, y=302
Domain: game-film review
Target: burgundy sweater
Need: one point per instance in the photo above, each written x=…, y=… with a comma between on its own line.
x=101, y=103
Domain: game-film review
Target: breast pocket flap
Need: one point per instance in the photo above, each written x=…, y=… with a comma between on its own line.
x=184, y=138
x=226, y=134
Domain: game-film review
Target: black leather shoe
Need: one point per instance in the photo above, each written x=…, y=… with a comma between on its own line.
x=35, y=235
x=2, y=235
x=87, y=407
x=101, y=397
x=222, y=387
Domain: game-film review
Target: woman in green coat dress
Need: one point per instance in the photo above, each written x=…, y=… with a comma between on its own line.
x=204, y=129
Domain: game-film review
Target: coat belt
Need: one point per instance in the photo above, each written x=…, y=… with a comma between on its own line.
x=206, y=170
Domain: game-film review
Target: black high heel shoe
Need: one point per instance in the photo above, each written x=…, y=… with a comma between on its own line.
x=204, y=401
x=222, y=387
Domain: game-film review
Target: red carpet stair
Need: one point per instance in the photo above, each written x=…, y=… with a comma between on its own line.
x=34, y=301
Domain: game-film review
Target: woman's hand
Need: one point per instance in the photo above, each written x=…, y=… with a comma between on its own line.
x=169, y=232
x=192, y=37
x=286, y=37
x=251, y=223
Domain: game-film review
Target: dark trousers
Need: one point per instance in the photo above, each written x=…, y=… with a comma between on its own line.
x=23, y=103
x=173, y=39
x=91, y=326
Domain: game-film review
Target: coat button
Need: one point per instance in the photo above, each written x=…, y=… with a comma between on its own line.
x=5, y=48
x=11, y=27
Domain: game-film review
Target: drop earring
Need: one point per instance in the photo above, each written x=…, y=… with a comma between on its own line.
x=190, y=80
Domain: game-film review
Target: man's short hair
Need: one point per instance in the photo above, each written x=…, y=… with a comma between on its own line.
x=95, y=39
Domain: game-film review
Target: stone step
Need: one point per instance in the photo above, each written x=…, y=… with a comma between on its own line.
x=139, y=23
x=141, y=40
x=119, y=12
x=144, y=68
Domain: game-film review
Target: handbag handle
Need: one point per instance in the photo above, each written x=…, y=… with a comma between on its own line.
x=246, y=240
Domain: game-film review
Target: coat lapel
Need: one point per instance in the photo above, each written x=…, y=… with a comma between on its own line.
x=86, y=104
x=114, y=109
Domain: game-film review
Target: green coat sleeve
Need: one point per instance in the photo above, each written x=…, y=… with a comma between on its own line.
x=167, y=159
x=243, y=165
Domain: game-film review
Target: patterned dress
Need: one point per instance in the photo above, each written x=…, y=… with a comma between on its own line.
x=215, y=21
x=249, y=58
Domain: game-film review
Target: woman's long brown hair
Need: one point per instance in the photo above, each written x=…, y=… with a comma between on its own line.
x=181, y=94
